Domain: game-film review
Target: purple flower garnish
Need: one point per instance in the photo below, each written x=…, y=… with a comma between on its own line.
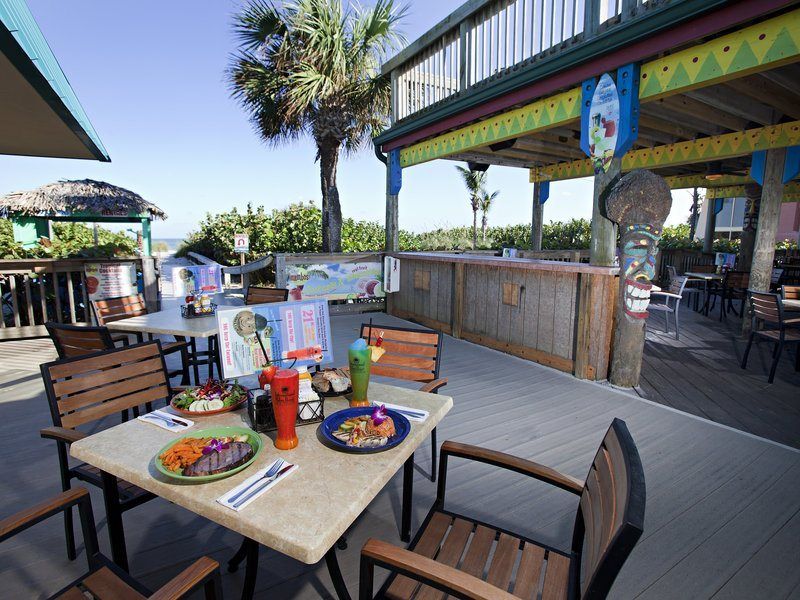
x=215, y=446
x=379, y=414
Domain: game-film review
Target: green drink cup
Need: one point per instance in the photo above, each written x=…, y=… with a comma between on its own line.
x=359, y=357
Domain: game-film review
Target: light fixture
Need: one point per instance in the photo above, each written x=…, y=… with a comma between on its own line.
x=713, y=171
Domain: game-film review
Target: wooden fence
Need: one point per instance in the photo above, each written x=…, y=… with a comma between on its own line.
x=39, y=290
x=552, y=312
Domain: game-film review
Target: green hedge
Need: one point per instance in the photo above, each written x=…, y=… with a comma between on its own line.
x=70, y=240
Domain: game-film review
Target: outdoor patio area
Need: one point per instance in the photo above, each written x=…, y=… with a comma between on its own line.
x=723, y=507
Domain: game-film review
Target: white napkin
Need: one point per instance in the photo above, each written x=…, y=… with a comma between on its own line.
x=406, y=411
x=163, y=424
x=256, y=490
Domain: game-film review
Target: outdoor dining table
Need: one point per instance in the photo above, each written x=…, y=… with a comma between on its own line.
x=170, y=322
x=706, y=278
x=305, y=515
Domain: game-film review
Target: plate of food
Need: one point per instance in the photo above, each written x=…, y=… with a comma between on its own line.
x=331, y=382
x=209, y=454
x=213, y=398
x=364, y=429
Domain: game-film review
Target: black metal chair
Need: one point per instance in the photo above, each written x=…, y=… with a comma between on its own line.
x=767, y=310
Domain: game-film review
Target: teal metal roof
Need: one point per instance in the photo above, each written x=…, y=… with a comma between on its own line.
x=17, y=20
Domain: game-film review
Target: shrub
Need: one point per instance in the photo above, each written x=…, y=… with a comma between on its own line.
x=69, y=240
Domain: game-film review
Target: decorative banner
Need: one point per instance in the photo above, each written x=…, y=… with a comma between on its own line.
x=194, y=279
x=335, y=281
x=284, y=330
x=110, y=280
x=603, y=123
x=241, y=243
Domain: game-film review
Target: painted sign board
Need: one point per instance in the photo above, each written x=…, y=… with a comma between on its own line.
x=603, y=123
x=196, y=278
x=335, y=281
x=726, y=260
x=391, y=274
x=241, y=242
x=291, y=334
x=110, y=280
x=509, y=253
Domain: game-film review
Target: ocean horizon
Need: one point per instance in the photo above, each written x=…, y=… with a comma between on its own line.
x=172, y=243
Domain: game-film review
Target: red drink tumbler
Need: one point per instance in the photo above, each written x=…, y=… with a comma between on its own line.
x=285, y=389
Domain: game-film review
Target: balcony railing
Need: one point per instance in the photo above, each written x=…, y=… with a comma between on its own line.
x=485, y=40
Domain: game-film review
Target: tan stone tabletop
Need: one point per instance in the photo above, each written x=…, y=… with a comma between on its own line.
x=168, y=322
x=302, y=516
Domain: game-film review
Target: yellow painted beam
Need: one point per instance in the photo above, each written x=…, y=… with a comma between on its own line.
x=791, y=192
x=682, y=182
x=727, y=145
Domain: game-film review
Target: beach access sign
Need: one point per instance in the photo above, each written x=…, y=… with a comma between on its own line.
x=196, y=279
x=288, y=333
x=110, y=280
x=335, y=281
x=603, y=123
x=241, y=242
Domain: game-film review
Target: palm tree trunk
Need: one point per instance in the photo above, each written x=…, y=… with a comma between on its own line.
x=331, y=208
x=484, y=223
x=474, y=228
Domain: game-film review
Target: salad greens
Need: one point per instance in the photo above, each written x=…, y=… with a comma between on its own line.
x=214, y=395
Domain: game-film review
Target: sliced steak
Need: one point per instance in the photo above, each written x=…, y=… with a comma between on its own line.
x=237, y=453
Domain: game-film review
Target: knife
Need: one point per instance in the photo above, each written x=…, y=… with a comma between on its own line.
x=238, y=503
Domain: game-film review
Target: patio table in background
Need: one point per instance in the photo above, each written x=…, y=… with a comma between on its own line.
x=306, y=514
x=170, y=322
x=706, y=278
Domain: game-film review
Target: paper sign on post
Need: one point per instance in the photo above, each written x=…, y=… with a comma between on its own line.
x=110, y=280
x=241, y=242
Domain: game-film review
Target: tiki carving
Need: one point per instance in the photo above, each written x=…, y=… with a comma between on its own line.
x=639, y=203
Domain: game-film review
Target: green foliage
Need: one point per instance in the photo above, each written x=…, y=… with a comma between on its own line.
x=69, y=240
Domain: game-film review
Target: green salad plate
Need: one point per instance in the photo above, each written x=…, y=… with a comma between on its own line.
x=212, y=432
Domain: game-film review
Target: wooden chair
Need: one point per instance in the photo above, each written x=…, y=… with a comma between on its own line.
x=105, y=580
x=609, y=522
x=75, y=340
x=790, y=292
x=265, y=295
x=733, y=287
x=85, y=389
x=412, y=355
x=767, y=310
x=672, y=302
x=115, y=309
x=775, y=279
x=693, y=288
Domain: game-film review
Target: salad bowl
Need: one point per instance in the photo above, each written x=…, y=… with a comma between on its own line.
x=213, y=398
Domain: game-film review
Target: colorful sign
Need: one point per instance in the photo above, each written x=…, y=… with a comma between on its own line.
x=335, y=281
x=603, y=123
x=726, y=260
x=290, y=333
x=198, y=278
x=241, y=243
x=110, y=280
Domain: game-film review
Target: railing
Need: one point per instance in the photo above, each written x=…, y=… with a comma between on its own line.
x=40, y=290
x=484, y=40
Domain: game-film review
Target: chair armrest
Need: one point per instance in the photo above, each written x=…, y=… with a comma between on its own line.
x=28, y=517
x=512, y=463
x=433, y=386
x=187, y=580
x=62, y=434
x=669, y=294
x=452, y=581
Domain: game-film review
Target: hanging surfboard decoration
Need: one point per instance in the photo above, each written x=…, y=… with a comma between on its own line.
x=603, y=123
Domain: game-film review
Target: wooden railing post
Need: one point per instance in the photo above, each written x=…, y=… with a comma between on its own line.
x=150, y=281
x=591, y=18
x=464, y=50
x=458, y=298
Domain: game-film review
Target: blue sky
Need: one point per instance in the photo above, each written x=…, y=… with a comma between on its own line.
x=151, y=76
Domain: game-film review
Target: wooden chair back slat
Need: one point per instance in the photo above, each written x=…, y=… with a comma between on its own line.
x=84, y=389
x=265, y=295
x=114, y=309
x=74, y=340
x=677, y=284
x=766, y=307
x=611, y=511
x=791, y=292
x=411, y=354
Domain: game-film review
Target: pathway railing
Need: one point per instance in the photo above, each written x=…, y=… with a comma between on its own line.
x=485, y=39
x=34, y=291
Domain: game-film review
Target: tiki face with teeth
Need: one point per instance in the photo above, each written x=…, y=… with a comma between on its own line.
x=639, y=203
x=639, y=249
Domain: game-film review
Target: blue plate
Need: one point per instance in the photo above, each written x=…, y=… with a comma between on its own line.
x=402, y=428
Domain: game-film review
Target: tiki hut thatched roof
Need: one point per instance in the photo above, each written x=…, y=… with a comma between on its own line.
x=79, y=197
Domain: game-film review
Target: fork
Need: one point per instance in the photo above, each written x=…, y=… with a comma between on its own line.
x=165, y=419
x=271, y=472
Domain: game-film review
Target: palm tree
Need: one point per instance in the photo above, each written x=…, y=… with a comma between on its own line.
x=312, y=67
x=474, y=182
x=485, y=202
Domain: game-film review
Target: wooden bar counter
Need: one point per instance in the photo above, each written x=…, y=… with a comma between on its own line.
x=556, y=313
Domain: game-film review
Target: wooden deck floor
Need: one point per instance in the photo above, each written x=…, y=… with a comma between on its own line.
x=723, y=507
x=700, y=374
